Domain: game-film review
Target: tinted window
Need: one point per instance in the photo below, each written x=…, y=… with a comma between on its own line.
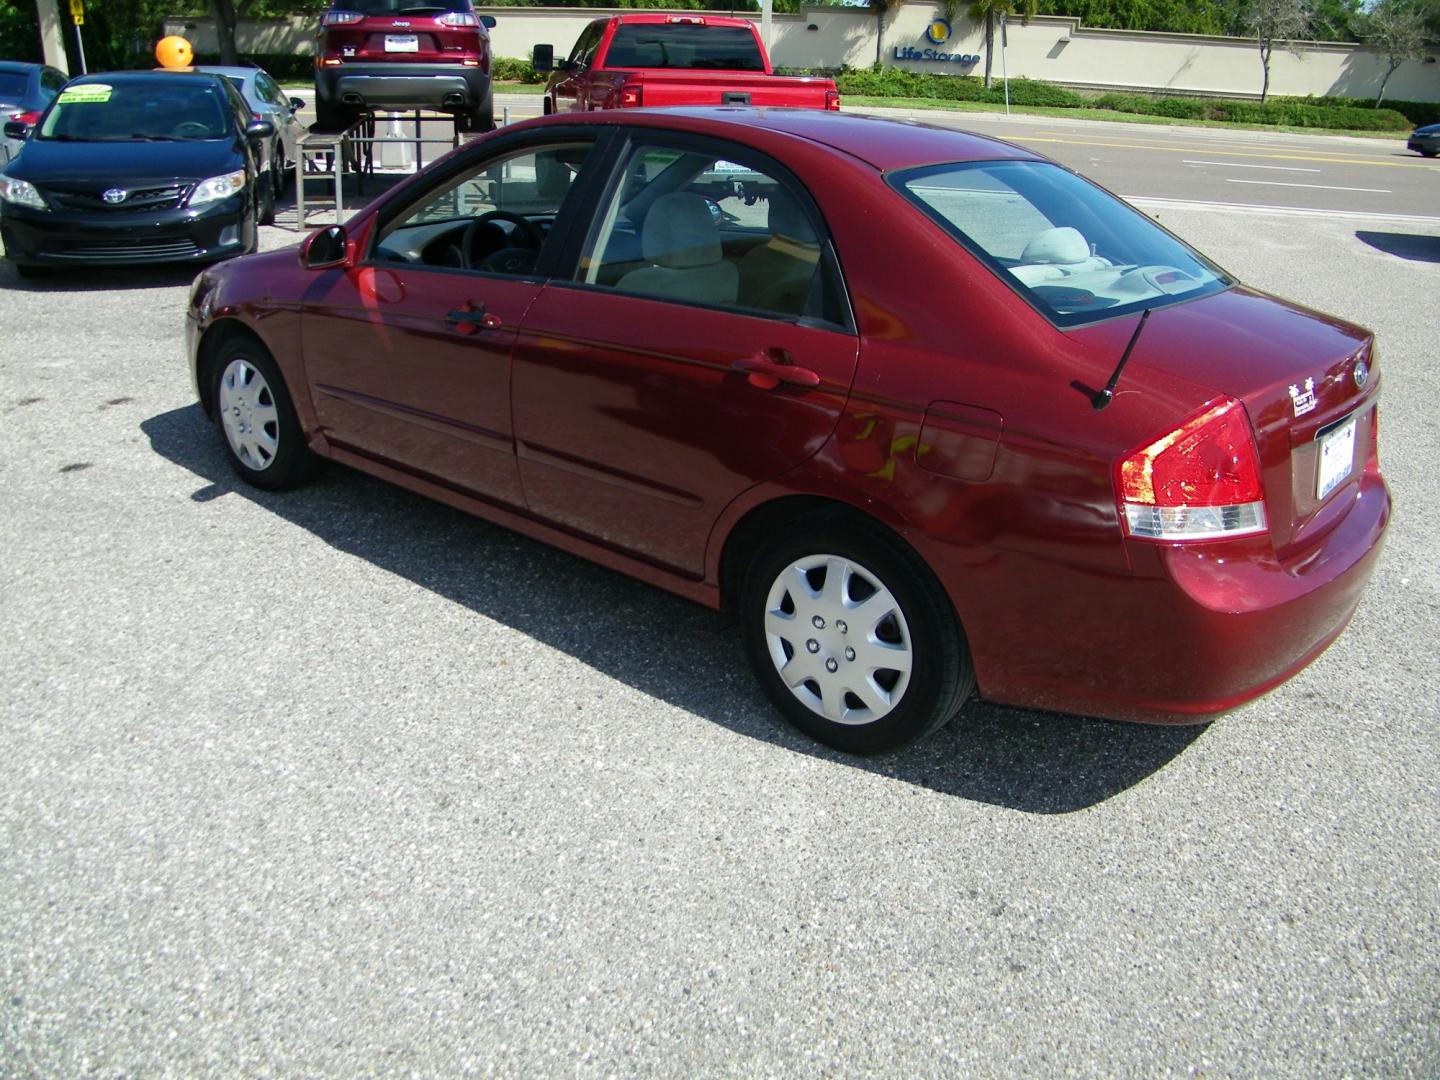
x=50, y=82
x=12, y=85
x=402, y=7
x=680, y=45
x=584, y=49
x=148, y=109
x=1076, y=252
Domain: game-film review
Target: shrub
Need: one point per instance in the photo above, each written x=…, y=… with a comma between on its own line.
x=509, y=69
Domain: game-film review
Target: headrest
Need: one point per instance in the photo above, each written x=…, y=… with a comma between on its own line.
x=788, y=220
x=1060, y=245
x=679, y=232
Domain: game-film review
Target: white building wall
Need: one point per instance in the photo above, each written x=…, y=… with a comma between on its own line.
x=1050, y=49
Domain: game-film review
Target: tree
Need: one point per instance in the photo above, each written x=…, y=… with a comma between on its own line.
x=880, y=8
x=990, y=11
x=1396, y=28
x=1272, y=21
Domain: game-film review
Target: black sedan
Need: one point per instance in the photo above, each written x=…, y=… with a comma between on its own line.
x=1425, y=140
x=136, y=167
x=25, y=90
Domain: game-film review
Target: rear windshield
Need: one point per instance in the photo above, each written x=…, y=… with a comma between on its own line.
x=145, y=110
x=1073, y=250
x=641, y=45
x=401, y=7
x=12, y=85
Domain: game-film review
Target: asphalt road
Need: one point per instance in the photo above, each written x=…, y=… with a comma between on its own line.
x=341, y=782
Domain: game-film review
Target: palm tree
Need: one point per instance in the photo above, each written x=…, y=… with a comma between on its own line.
x=990, y=11
x=881, y=8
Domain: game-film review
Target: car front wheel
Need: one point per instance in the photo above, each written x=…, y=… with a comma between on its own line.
x=853, y=638
x=256, y=417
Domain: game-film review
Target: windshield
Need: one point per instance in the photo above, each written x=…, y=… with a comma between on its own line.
x=13, y=85
x=1074, y=251
x=147, y=109
x=683, y=45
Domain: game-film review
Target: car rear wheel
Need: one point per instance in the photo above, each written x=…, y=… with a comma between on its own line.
x=481, y=118
x=853, y=638
x=256, y=417
x=331, y=118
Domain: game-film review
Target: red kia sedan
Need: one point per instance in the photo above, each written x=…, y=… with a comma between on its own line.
x=933, y=415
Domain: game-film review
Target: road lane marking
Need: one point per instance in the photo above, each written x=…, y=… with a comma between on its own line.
x=1159, y=203
x=1313, y=187
x=1242, y=165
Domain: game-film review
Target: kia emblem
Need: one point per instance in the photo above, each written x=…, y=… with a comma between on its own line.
x=114, y=195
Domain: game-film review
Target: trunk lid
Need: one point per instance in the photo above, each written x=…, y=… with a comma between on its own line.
x=1308, y=381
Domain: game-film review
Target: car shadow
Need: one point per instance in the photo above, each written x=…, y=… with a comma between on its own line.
x=1028, y=761
x=1412, y=246
x=80, y=279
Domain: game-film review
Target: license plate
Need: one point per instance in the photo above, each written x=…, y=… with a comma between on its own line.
x=402, y=43
x=1337, y=457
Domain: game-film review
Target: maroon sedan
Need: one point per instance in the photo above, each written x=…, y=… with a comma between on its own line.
x=933, y=414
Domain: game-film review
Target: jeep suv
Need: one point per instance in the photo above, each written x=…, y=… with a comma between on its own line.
x=403, y=54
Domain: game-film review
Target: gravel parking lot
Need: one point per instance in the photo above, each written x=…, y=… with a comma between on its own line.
x=340, y=782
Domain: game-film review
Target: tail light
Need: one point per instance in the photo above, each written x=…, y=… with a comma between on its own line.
x=1199, y=482
x=685, y=20
x=31, y=118
x=832, y=100
x=340, y=18
x=631, y=97
x=458, y=18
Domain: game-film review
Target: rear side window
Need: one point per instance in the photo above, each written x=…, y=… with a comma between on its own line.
x=682, y=45
x=1072, y=249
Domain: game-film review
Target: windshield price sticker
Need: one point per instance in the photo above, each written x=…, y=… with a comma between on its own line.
x=89, y=94
x=1337, y=455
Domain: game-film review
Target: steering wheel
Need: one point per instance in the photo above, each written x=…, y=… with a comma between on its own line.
x=526, y=231
x=187, y=128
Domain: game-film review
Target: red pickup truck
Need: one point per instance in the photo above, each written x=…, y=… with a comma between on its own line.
x=654, y=58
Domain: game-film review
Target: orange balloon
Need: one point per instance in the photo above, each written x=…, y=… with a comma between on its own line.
x=174, y=52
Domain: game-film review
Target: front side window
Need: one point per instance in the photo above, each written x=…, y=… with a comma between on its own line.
x=1074, y=251
x=493, y=219
x=695, y=227
x=584, y=49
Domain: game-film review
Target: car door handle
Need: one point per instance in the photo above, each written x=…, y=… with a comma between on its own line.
x=468, y=321
x=766, y=373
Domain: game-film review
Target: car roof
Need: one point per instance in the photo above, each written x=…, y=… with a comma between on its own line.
x=882, y=143
x=679, y=17
x=19, y=65
x=158, y=75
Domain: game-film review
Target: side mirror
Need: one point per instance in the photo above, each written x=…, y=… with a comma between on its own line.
x=260, y=129
x=325, y=248
x=296, y=104
x=487, y=21
x=543, y=58
x=16, y=129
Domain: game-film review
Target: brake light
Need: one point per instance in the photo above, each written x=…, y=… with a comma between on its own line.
x=458, y=18
x=1199, y=482
x=340, y=18
x=630, y=97
x=30, y=118
x=832, y=100
x=686, y=20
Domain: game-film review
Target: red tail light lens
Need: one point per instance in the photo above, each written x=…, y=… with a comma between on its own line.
x=1199, y=482
x=340, y=18
x=31, y=118
x=630, y=97
x=832, y=100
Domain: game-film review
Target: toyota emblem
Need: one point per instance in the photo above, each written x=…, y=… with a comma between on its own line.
x=1362, y=374
x=114, y=195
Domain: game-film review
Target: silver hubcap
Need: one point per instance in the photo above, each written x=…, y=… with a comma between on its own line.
x=838, y=639
x=249, y=416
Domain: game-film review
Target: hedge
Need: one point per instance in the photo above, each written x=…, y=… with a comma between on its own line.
x=897, y=82
x=1293, y=112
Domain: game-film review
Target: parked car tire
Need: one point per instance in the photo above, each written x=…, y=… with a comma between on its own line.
x=852, y=636
x=256, y=417
x=481, y=118
x=331, y=118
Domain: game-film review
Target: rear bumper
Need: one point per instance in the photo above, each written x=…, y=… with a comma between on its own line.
x=74, y=238
x=1194, y=631
x=403, y=86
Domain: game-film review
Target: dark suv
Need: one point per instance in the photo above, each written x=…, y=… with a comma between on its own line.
x=403, y=54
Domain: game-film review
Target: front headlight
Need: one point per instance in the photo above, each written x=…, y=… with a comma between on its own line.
x=21, y=193
x=218, y=187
